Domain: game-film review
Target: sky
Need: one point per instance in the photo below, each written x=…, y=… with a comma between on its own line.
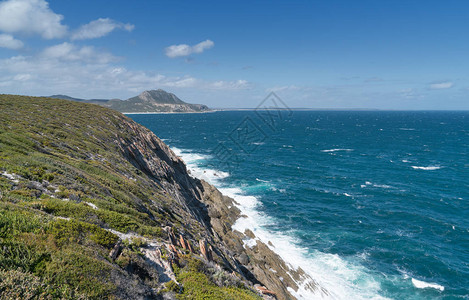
x=312, y=54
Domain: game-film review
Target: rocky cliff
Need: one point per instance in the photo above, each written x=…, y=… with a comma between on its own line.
x=104, y=208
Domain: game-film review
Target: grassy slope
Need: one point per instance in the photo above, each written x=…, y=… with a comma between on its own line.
x=58, y=159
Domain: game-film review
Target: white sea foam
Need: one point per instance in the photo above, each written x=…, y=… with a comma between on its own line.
x=423, y=285
x=191, y=159
x=335, y=150
x=383, y=186
x=340, y=278
x=429, y=168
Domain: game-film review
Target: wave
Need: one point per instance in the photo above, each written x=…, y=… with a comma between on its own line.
x=209, y=175
x=423, y=285
x=335, y=150
x=340, y=278
x=429, y=168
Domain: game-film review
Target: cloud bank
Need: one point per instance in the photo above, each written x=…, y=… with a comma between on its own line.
x=86, y=71
x=8, y=41
x=441, y=85
x=31, y=17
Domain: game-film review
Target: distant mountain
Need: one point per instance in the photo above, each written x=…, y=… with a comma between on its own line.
x=148, y=101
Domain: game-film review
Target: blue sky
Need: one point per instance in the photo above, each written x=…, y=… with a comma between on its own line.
x=316, y=54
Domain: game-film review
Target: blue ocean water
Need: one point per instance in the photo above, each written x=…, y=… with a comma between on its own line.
x=370, y=204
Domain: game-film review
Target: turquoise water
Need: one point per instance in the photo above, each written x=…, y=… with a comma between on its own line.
x=370, y=204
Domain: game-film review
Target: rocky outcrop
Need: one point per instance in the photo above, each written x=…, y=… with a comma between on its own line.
x=217, y=214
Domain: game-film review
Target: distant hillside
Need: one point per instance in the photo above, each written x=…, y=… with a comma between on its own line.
x=148, y=101
x=65, y=97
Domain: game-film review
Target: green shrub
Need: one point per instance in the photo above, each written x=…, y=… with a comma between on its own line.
x=77, y=268
x=14, y=221
x=172, y=286
x=72, y=231
x=197, y=285
x=16, y=284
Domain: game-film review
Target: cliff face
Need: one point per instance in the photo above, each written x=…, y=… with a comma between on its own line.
x=104, y=192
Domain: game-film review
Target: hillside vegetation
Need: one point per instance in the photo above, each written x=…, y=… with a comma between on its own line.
x=72, y=187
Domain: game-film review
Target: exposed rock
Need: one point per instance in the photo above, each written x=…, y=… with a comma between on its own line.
x=182, y=242
x=205, y=250
x=115, y=250
x=265, y=291
x=243, y=259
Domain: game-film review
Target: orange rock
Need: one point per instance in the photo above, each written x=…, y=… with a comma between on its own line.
x=190, y=247
x=265, y=291
x=182, y=242
x=205, y=250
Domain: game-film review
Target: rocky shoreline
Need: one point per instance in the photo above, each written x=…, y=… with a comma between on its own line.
x=259, y=264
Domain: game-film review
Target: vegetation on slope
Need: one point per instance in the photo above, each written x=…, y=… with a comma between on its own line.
x=68, y=193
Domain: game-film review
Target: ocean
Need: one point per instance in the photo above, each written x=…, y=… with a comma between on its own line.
x=371, y=204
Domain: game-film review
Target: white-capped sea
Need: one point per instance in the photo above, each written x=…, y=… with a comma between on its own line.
x=372, y=205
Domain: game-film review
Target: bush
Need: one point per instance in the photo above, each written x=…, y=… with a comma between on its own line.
x=72, y=231
x=77, y=268
x=16, y=284
x=172, y=286
x=197, y=285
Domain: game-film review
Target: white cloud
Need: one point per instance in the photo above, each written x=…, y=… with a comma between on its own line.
x=99, y=28
x=22, y=77
x=70, y=52
x=185, y=50
x=410, y=93
x=31, y=17
x=230, y=85
x=202, y=46
x=441, y=85
x=8, y=41
x=277, y=89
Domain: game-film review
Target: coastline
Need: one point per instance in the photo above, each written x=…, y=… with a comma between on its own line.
x=280, y=255
x=315, y=275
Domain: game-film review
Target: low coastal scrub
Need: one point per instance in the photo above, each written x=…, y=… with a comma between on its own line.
x=196, y=284
x=77, y=206
x=63, y=184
